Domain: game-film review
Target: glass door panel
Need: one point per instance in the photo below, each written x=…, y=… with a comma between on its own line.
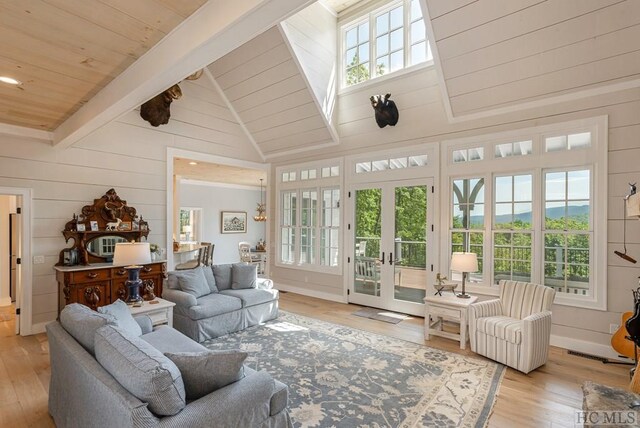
x=390, y=245
x=367, y=239
x=410, y=243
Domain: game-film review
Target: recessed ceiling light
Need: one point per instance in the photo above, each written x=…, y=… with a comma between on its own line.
x=10, y=80
x=193, y=163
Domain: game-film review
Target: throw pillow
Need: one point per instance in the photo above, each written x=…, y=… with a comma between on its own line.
x=244, y=276
x=120, y=311
x=211, y=280
x=222, y=273
x=206, y=371
x=81, y=323
x=141, y=369
x=193, y=281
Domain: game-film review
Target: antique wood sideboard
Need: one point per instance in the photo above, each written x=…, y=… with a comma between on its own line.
x=89, y=277
x=102, y=283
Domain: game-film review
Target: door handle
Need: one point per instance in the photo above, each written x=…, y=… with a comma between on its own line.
x=390, y=258
x=382, y=259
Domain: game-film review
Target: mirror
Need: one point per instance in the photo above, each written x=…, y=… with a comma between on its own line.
x=104, y=246
x=99, y=227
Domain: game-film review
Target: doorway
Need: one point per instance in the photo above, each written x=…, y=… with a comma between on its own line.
x=392, y=245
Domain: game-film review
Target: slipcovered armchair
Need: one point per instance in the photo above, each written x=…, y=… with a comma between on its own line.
x=514, y=329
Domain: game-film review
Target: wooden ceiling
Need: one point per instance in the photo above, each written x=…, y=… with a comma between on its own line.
x=216, y=173
x=65, y=51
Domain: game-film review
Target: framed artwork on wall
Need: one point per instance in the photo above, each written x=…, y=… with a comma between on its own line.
x=233, y=222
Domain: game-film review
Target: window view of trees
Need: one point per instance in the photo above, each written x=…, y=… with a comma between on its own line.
x=566, y=231
x=467, y=233
x=411, y=226
x=384, y=41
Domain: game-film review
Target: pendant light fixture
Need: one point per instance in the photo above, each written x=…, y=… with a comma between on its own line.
x=261, y=209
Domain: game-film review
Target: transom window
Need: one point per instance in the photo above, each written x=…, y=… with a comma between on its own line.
x=543, y=219
x=309, y=212
x=383, y=41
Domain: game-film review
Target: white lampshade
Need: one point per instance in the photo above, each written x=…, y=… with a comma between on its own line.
x=131, y=253
x=186, y=229
x=464, y=262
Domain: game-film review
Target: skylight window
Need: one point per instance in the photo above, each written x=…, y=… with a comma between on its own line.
x=383, y=41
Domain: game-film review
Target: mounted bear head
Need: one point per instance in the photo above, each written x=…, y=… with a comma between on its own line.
x=386, y=110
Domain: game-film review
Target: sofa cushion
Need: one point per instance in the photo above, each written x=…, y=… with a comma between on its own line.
x=212, y=305
x=141, y=369
x=120, y=311
x=207, y=371
x=193, y=281
x=211, y=280
x=81, y=323
x=502, y=327
x=243, y=276
x=167, y=339
x=222, y=274
x=252, y=297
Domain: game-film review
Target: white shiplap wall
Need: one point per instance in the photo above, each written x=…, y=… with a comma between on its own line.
x=128, y=155
x=496, y=54
x=268, y=91
x=423, y=120
x=312, y=34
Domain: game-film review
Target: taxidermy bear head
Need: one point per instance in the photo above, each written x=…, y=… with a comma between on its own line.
x=386, y=110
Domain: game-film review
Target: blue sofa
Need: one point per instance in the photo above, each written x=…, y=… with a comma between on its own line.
x=222, y=308
x=85, y=393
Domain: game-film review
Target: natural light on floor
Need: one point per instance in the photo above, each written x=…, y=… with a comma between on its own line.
x=285, y=326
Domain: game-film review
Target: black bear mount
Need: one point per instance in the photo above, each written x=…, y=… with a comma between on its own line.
x=386, y=110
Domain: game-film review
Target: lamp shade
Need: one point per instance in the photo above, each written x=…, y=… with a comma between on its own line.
x=464, y=262
x=186, y=228
x=131, y=253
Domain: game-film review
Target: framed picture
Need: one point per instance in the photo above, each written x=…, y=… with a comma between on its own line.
x=125, y=226
x=80, y=227
x=233, y=222
x=135, y=226
x=94, y=225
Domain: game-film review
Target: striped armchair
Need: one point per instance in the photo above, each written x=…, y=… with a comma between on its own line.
x=515, y=329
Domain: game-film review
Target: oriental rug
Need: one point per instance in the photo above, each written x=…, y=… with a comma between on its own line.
x=343, y=377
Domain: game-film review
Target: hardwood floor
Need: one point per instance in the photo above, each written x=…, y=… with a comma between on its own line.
x=546, y=397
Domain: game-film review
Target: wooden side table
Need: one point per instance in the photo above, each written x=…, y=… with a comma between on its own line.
x=449, y=307
x=160, y=313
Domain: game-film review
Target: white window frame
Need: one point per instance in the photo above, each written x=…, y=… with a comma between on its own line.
x=196, y=232
x=536, y=163
x=370, y=16
x=319, y=184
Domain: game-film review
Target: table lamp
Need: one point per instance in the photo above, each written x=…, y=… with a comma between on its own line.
x=132, y=255
x=464, y=263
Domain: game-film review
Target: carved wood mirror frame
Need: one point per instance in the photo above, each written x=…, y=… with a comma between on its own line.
x=108, y=212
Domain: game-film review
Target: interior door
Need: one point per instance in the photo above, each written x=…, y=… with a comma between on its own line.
x=391, y=241
x=16, y=267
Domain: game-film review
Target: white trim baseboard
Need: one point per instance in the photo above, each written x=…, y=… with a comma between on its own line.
x=39, y=327
x=310, y=293
x=585, y=347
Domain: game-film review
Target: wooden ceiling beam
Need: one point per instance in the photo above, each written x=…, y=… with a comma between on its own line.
x=214, y=30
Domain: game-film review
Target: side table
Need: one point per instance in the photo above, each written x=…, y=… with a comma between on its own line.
x=449, y=307
x=160, y=313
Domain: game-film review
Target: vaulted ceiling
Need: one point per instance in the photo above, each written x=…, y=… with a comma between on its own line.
x=497, y=55
x=269, y=81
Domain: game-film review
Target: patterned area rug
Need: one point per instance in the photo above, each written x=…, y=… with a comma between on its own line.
x=343, y=377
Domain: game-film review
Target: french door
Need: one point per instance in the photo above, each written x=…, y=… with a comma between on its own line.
x=391, y=244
